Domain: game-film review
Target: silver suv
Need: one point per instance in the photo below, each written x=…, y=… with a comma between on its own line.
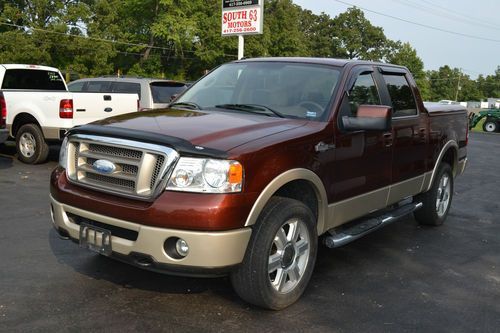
x=153, y=93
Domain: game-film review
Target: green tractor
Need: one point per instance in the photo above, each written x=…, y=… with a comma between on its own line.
x=492, y=122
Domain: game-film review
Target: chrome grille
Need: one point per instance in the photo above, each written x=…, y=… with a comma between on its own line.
x=115, y=151
x=138, y=170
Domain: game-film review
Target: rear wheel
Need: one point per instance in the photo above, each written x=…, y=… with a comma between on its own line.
x=490, y=126
x=280, y=256
x=30, y=144
x=437, y=201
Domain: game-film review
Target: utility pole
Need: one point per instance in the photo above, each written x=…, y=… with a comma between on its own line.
x=458, y=84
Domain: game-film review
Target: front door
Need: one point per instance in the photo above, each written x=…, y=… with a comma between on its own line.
x=363, y=159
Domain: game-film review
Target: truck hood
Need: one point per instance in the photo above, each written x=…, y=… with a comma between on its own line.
x=217, y=130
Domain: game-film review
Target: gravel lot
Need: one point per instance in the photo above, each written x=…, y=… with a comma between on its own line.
x=401, y=278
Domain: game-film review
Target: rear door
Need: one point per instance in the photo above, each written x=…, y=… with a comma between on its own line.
x=89, y=107
x=409, y=132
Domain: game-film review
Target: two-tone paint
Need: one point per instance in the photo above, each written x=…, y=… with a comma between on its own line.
x=340, y=175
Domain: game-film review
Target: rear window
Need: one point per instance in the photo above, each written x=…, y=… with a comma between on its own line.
x=163, y=91
x=127, y=87
x=33, y=79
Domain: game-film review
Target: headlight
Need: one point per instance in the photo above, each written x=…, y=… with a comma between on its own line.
x=63, y=154
x=206, y=175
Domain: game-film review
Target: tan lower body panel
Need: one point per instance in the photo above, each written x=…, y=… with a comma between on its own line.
x=51, y=132
x=206, y=249
x=353, y=208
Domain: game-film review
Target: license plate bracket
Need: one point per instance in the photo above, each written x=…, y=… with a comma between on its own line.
x=95, y=239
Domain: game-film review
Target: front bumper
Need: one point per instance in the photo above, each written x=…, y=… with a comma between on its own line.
x=208, y=251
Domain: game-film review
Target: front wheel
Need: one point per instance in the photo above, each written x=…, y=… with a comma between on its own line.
x=437, y=201
x=280, y=256
x=30, y=144
x=490, y=126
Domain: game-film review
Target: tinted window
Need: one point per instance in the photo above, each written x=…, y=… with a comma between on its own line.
x=295, y=90
x=76, y=86
x=127, y=87
x=364, y=92
x=163, y=91
x=32, y=79
x=403, y=102
x=98, y=86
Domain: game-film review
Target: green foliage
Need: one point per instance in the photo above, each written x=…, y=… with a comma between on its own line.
x=358, y=38
x=181, y=39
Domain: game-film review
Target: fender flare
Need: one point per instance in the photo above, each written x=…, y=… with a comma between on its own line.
x=449, y=145
x=283, y=179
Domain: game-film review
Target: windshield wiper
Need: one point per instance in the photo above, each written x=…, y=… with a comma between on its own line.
x=252, y=108
x=189, y=105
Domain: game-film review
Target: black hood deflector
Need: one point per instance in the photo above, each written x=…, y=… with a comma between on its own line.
x=184, y=147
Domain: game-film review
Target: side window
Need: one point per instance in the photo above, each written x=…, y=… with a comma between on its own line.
x=364, y=91
x=76, y=86
x=98, y=86
x=403, y=101
x=127, y=87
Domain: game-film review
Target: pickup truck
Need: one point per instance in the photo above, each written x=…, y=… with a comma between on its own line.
x=38, y=108
x=255, y=165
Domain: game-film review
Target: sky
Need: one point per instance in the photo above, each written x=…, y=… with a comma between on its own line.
x=476, y=55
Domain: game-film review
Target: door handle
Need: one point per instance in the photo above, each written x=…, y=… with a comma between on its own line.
x=107, y=97
x=108, y=109
x=80, y=110
x=388, y=139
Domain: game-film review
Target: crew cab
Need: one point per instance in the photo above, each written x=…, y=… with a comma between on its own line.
x=255, y=165
x=37, y=108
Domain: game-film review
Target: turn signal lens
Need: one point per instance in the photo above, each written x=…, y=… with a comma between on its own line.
x=235, y=173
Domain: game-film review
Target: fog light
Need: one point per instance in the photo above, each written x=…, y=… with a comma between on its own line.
x=182, y=247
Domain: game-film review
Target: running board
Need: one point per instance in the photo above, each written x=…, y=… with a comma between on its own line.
x=337, y=237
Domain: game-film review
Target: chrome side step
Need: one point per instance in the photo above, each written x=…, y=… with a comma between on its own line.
x=340, y=236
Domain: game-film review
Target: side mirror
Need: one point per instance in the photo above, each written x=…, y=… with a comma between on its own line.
x=369, y=118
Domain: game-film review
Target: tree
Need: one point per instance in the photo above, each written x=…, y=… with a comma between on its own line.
x=358, y=38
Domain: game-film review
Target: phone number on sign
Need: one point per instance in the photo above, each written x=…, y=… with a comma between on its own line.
x=239, y=30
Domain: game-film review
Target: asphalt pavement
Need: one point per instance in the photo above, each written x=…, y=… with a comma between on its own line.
x=402, y=278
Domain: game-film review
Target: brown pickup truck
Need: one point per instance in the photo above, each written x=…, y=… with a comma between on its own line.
x=253, y=166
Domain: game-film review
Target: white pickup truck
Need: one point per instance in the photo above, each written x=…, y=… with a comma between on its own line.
x=38, y=108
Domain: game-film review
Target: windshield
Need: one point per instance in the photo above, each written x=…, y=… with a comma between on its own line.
x=291, y=90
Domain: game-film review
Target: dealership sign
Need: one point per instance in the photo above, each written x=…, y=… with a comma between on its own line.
x=242, y=17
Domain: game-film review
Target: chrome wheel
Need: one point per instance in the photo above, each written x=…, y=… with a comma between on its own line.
x=289, y=255
x=443, y=195
x=27, y=144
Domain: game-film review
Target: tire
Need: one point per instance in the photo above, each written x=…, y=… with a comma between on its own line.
x=285, y=234
x=490, y=126
x=30, y=145
x=437, y=201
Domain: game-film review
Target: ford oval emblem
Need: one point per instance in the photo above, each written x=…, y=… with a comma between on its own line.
x=104, y=166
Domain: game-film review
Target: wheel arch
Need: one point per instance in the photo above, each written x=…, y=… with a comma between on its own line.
x=448, y=154
x=23, y=119
x=297, y=184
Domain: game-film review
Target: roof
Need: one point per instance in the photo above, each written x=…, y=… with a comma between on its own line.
x=319, y=61
x=24, y=66
x=124, y=79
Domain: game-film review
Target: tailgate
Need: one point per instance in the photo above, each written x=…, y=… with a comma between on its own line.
x=89, y=107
